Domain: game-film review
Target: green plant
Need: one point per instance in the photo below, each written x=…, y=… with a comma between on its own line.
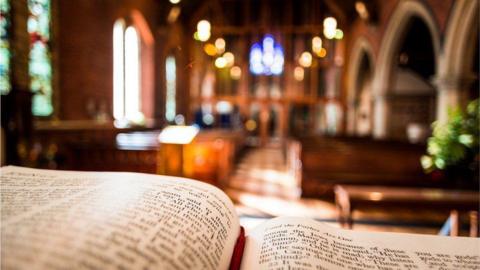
x=454, y=144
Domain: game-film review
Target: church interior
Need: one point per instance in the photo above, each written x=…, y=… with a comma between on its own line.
x=359, y=113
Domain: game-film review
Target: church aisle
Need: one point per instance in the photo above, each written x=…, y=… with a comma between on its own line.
x=263, y=171
x=261, y=188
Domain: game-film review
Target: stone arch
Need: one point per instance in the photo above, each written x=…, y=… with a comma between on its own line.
x=454, y=74
x=391, y=43
x=361, y=49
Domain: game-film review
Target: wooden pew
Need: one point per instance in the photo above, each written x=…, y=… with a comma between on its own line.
x=348, y=198
x=327, y=161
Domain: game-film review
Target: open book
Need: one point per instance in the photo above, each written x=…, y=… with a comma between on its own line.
x=92, y=220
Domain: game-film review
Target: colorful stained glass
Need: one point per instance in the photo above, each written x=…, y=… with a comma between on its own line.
x=266, y=58
x=5, y=84
x=40, y=68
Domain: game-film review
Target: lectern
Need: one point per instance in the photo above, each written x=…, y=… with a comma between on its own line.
x=173, y=140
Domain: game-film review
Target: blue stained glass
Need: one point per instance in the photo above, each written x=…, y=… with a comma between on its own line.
x=40, y=68
x=267, y=57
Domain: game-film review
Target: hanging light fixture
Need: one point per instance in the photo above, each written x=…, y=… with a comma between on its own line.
x=362, y=10
x=329, y=27
x=230, y=58
x=236, y=72
x=298, y=73
x=220, y=45
x=305, y=59
x=220, y=62
x=338, y=34
x=316, y=44
x=203, y=30
x=210, y=49
x=322, y=53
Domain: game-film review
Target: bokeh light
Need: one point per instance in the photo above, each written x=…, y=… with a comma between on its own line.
x=305, y=59
x=236, y=72
x=298, y=73
x=220, y=62
x=329, y=27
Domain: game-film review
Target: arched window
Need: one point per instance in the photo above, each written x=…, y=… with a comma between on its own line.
x=40, y=67
x=171, y=80
x=126, y=74
x=118, y=70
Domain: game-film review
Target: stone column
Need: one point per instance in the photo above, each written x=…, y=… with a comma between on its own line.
x=380, y=116
x=351, y=117
x=452, y=92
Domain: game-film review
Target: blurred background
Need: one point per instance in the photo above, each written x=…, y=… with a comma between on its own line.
x=359, y=113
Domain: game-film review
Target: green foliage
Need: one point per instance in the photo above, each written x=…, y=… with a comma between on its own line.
x=454, y=143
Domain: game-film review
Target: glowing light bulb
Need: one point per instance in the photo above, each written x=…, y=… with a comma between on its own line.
x=220, y=45
x=278, y=60
x=174, y=1
x=210, y=49
x=322, y=53
x=316, y=44
x=203, y=25
x=268, y=43
x=329, y=27
x=330, y=22
x=338, y=34
x=203, y=30
x=362, y=10
x=236, y=72
x=195, y=36
x=230, y=58
x=298, y=73
x=305, y=59
x=203, y=36
x=220, y=62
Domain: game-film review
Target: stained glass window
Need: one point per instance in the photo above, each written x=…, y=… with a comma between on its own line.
x=39, y=68
x=5, y=85
x=170, y=68
x=266, y=58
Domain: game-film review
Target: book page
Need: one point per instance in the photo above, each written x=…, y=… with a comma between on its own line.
x=88, y=220
x=296, y=243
